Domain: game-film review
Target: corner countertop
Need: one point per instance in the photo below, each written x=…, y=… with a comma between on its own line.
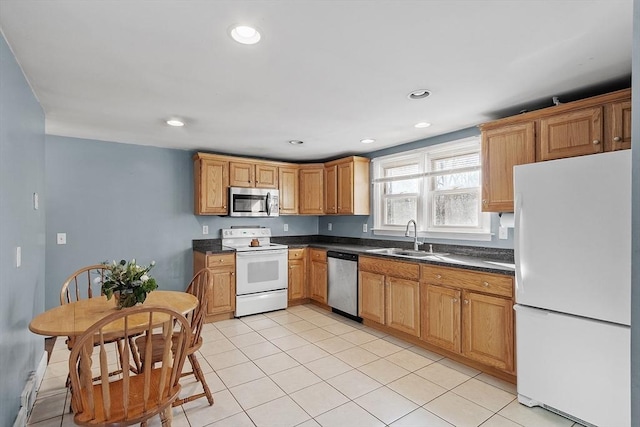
x=489, y=260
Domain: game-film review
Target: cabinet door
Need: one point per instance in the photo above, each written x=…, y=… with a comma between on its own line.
x=330, y=189
x=619, y=126
x=288, y=181
x=371, y=296
x=211, y=183
x=570, y=134
x=403, y=305
x=241, y=174
x=487, y=334
x=502, y=149
x=222, y=291
x=311, y=191
x=266, y=176
x=296, y=279
x=440, y=323
x=345, y=188
x=318, y=288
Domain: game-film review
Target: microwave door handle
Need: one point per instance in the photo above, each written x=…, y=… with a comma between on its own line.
x=268, y=204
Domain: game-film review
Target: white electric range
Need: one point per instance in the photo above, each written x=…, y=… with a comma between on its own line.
x=261, y=270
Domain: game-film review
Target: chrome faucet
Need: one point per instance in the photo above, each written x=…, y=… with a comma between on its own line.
x=415, y=233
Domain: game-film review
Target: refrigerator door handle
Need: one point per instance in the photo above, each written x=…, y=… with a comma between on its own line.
x=518, y=242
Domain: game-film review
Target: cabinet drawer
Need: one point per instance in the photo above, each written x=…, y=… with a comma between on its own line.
x=296, y=253
x=483, y=282
x=218, y=260
x=399, y=269
x=318, y=255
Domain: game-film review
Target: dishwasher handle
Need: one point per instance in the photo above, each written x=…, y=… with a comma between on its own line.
x=342, y=255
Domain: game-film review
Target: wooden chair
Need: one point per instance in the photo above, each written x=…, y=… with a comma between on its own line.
x=81, y=285
x=197, y=287
x=132, y=398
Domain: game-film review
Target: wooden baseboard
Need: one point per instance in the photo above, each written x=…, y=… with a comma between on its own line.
x=506, y=376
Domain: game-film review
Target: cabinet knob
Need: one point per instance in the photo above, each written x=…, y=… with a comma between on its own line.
x=484, y=201
x=233, y=274
x=617, y=139
x=221, y=260
x=485, y=284
x=466, y=301
x=438, y=276
x=455, y=300
x=596, y=141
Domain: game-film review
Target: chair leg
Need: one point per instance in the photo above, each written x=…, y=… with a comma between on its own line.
x=166, y=416
x=197, y=372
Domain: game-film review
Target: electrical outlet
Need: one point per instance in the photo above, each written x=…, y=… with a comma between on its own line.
x=205, y=229
x=503, y=233
x=61, y=238
x=329, y=226
x=286, y=227
x=364, y=228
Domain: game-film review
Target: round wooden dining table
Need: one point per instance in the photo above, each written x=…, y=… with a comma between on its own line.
x=76, y=317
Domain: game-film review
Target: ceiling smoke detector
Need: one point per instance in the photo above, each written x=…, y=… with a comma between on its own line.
x=419, y=94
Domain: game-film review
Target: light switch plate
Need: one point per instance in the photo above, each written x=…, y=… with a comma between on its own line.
x=205, y=229
x=364, y=228
x=503, y=233
x=36, y=201
x=61, y=238
x=18, y=256
x=329, y=226
x=286, y=227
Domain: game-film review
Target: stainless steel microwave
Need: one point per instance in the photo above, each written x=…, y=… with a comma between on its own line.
x=253, y=202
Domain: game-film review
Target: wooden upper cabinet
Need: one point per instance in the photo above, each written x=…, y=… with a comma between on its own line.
x=618, y=126
x=288, y=182
x=211, y=180
x=502, y=149
x=331, y=189
x=311, y=194
x=348, y=186
x=574, y=133
x=245, y=174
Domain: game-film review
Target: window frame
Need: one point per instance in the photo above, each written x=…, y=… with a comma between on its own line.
x=424, y=215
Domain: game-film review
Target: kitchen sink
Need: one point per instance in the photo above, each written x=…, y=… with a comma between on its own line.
x=409, y=253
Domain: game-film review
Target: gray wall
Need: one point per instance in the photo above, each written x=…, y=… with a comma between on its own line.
x=21, y=175
x=351, y=226
x=635, y=261
x=122, y=201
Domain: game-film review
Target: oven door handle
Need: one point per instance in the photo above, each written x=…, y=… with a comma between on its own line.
x=263, y=253
x=269, y=204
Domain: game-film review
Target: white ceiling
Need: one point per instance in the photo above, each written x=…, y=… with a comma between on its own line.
x=326, y=72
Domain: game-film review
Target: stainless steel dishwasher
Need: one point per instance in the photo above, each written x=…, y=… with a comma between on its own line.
x=343, y=283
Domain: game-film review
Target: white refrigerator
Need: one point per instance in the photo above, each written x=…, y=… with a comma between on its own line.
x=573, y=286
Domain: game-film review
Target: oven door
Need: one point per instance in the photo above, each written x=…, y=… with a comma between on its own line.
x=261, y=271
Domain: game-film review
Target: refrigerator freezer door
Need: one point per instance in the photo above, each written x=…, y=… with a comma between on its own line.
x=574, y=365
x=573, y=235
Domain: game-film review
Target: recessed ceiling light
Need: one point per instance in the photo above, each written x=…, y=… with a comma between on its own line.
x=367, y=141
x=422, y=125
x=175, y=122
x=245, y=34
x=295, y=142
x=419, y=94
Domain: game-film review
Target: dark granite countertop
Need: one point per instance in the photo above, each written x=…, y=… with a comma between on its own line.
x=490, y=260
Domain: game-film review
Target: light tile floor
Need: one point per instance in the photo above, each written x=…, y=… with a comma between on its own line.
x=307, y=367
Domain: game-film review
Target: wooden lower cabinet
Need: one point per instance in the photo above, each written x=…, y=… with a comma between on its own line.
x=371, y=296
x=487, y=330
x=403, y=305
x=469, y=313
x=222, y=283
x=389, y=293
x=318, y=275
x=297, y=274
x=441, y=324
